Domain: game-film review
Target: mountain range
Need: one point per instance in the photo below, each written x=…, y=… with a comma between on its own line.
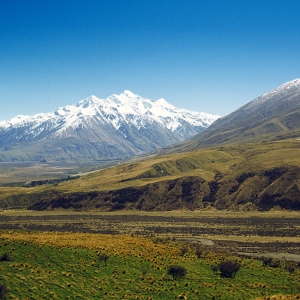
x=247, y=160
x=117, y=127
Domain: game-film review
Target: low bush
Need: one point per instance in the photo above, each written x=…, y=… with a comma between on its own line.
x=273, y=263
x=177, y=271
x=228, y=268
x=290, y=267
x=5, y=257
x=199, y=251
x=103, y=257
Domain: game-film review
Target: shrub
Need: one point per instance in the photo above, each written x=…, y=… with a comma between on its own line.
x=104, y=257
x=229, y=268
x=5, y=257
x=273, y=263
x=177, y=271
x=290, y=267
x=266, y=261
x=3, y=291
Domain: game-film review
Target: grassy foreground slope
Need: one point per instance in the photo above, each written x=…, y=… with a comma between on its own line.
x=250, y=176
x=53, y=265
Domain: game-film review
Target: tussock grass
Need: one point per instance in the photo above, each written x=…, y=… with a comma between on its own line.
x=53, y=265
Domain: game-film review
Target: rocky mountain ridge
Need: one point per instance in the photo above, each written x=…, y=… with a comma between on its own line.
x=272, y=116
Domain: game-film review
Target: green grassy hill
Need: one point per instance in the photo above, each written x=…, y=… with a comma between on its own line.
x=44, y=265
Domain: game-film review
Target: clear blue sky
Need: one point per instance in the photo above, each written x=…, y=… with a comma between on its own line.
x=211, y=56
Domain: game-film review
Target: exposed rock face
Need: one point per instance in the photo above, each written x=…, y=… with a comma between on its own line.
x=262, y=190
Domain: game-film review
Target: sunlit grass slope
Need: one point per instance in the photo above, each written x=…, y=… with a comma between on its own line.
x=205, y=163
x=67, y=266
x=237, y=168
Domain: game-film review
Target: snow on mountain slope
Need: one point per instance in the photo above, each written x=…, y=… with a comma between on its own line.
x=126, y=107
x=126, y=123
x=291, y=87
x=272, y=116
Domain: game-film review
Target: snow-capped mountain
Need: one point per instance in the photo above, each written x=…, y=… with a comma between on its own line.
x=272, y=116
x=116, y=127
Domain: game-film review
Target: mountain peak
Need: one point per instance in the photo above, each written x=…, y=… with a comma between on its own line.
x=90, y=99
x=288, y=88
x=290, y=84
x=93, y=97
x=129, y=94
x=164, y=103
x=295, y=81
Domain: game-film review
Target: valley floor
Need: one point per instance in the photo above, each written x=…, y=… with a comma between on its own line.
x=252, y=234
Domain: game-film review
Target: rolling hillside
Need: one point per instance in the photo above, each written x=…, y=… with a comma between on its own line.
x=257, y=176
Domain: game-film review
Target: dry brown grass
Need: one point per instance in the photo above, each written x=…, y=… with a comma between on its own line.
x=117, y=245
x=276, y=231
